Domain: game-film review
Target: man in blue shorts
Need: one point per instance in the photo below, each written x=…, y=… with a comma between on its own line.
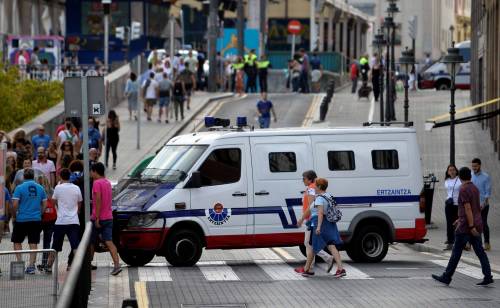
x=29, y=202
x=264, y=110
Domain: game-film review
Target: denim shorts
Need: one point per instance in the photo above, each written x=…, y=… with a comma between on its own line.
x=105, y=231
x=164, y=101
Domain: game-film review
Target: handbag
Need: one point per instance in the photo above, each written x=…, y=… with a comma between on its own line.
x=449, y=201
x=50, y=214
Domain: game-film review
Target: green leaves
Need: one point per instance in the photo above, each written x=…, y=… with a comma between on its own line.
x=23, y=100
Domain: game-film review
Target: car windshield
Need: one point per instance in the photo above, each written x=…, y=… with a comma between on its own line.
x=172, y=163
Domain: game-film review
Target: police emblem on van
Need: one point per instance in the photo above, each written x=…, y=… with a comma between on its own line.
x=218, y=215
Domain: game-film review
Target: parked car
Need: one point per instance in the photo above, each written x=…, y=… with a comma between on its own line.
x=437, y=77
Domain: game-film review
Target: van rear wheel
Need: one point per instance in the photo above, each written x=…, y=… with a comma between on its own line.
x=184, y=248
x=136, y=258
x=369, y=245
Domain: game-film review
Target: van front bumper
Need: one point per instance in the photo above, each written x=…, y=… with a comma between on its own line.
x=135, y=231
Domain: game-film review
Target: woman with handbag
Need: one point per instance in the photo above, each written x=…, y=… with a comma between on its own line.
x=452, y=185
x=49, y=217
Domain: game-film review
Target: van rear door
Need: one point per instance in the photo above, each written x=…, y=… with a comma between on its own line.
x=278, y=163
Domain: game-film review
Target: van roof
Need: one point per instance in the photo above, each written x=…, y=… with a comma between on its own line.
x=210, y=136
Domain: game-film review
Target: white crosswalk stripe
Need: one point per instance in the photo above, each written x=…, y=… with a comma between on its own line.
x=155, y=272
x=217, y=271
x=466, y=269
x=351, y=271
x=278, y=270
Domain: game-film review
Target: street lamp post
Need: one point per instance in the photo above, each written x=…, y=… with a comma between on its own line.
x=452, y=59
x=388, y=25
x=407, y=61
x=391, y=11
x=379, y=42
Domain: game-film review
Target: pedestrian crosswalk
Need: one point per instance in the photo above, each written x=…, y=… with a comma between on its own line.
x=280, y=270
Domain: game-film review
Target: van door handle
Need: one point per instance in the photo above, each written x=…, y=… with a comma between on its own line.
x=302, y=192
x=262, y=193
x=239, y=194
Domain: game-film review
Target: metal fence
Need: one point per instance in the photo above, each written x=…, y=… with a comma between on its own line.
x=76, y=289
x=59, y=72
x=19, y=289
x=331, y=61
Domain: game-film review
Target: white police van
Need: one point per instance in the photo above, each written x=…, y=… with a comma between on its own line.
x=238, y=188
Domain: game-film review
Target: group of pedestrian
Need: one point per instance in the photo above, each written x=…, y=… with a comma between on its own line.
x=467, y=207
x=304, y=72
x=241, y=74
x=44, y=184
x=320, y=232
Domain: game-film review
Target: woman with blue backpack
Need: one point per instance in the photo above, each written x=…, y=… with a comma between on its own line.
x=325, y=234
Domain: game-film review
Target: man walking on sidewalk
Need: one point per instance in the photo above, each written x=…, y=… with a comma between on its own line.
x=29, y=202
x=469, y=226
x=483, y=183
x=102, y=215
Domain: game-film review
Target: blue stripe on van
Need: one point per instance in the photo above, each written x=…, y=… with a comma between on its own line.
x=290, y=204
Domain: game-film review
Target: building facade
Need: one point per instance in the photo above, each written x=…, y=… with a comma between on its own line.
x=485, y=62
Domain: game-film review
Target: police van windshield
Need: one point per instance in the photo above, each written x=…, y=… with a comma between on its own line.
x=173, y=163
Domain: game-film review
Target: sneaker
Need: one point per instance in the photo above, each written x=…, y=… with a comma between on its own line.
x=31, y=270
x=441, y=279
x=307, y=274
x=166, y=121
x=41, y=267
x=116, y=271
x=114, y=167
x=48, y=270
x=485, y=282
x=340, y=273
x=448, y=247
x=487, y=246
x=330, y=265
x=299, y=270
x=467, y=247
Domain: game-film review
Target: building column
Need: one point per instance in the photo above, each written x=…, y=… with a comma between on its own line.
x=337, y=37
x=352, y=41
x=321, y=25
x=345, y=32
x=330, y=31
x=359, y=39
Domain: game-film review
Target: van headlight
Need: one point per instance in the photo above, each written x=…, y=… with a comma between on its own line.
x=142, y=220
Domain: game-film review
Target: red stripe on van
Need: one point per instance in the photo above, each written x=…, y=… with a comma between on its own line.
x=417, y=233
x=143, y=238
x=253, y=241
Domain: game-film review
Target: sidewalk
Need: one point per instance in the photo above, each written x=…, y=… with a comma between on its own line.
x=471, y=141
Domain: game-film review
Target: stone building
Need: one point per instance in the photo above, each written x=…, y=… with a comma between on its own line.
x=485, y=63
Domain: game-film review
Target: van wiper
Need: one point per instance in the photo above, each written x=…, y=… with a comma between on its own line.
x=158, y=177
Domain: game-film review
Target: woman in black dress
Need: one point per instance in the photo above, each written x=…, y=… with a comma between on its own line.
x=112, y=136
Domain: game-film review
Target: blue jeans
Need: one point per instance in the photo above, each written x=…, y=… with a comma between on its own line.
x=264, y=122
x=456, y=253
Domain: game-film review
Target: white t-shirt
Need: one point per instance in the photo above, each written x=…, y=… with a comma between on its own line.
x=67, y=135
x=67, y=195
x=46, y=168
x=151, y=90
x=191, y=63
x=452, y=187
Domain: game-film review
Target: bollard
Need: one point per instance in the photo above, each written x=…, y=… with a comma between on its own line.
x=130, y=303
x=323, y=109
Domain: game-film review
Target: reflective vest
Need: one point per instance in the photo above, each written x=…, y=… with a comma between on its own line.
x=263, y=64
x=250, y=59
x=238, y=66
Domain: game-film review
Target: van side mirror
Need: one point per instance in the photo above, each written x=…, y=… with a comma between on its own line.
x=195, y=180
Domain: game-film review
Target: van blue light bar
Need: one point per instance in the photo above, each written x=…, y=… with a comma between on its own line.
x=209, y=121
x=241, y=121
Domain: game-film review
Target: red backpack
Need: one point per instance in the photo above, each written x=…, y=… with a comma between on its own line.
x=50, y=214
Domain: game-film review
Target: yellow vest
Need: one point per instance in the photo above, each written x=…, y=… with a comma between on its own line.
x=238, y=66
x=263, y=64
x=250, y=60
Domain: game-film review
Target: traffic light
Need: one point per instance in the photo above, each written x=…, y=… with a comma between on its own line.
x=120, y=33
x=135, y=30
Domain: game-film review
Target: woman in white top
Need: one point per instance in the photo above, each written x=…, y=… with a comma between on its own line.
x=452, y=184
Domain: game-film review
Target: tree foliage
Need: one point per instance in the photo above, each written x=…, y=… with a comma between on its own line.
x=22, y=100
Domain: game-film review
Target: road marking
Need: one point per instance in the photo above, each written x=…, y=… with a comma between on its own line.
x=214, y=110
x=402, y=268
x=282, y=252
x=217, y=271
x=312, y=109
x=469, y=270
x=278, y=270
x=351, y=271
x=141, y=294
x=447, y=255
x=372, y=109
x=119, y=288
x=155, y=272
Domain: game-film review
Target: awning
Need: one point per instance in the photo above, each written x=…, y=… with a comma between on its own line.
x=434, y=122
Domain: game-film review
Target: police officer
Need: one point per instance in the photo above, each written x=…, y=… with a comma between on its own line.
x=262, y=65
x=250, y=60
x=237, y=65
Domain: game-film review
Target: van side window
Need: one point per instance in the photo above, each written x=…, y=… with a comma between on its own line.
x=282, y=162
x=222, y=166
x=385, y=159
x=341, y=160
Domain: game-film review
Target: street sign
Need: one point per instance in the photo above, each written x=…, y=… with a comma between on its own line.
x=135, y=30
x=73, y=96
x=120, y=33
x=294, y=27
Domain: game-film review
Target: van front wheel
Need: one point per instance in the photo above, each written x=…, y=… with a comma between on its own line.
x=184, y=248
x=369, y=245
